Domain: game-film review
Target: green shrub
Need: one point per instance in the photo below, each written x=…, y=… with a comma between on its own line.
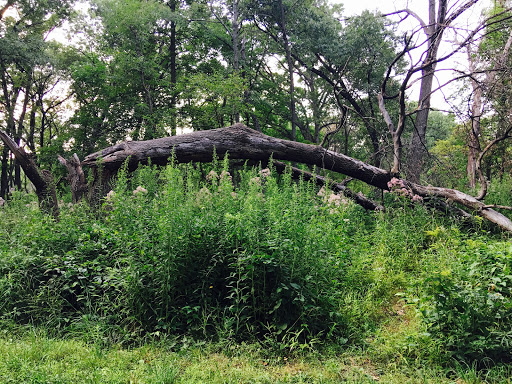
x=468, y=309
x=173, y=252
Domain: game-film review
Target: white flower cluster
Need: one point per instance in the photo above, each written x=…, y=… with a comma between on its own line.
x=225, y=175
x=332, y=199
x=212, y=176
x=110, y=196
x=265, y=173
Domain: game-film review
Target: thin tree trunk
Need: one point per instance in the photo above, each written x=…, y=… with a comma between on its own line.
x=173, y=70
x=4, y=182
x=434, y=31
x=235, y=37
x=289, y=62
x=474, y=148
x=19, y=132
x=76, y=177
x=417, y=147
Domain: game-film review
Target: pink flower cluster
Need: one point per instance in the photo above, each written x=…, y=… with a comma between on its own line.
x=398, y=187
x=225, y=175
x=265, y=173
x=139, y=191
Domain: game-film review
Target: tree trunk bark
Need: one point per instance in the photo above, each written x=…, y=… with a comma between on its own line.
x=235, y=41
x=289, y=62
x=19, y=132
x=173, y=70
x=417, y=147
x=76, y=177
x=4, y=182
x=239, y=142
x=474, y=148
x=434, y=31
x=42, y=179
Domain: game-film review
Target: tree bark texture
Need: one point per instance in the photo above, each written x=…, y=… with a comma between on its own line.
x=42, y=179
x=240, y=142
x=434, y=32
x=76, y=177
x=474, y=148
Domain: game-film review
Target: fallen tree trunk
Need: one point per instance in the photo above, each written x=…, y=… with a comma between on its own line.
x=241, y=143
x=244, y=143
x=474, y=205
x=42, y=179
x=359, y=198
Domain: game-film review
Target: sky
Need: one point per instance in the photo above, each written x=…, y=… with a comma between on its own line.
x=467, y=20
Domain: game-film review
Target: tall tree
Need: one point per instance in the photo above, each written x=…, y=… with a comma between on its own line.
x=23, y=56
x=441, y=17
x=274, y=17
x=490, y=80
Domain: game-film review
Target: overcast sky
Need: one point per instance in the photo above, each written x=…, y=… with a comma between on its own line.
x=467, y=20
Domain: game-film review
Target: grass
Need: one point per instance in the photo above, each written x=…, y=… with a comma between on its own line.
x=36, y=358
x=191, y=274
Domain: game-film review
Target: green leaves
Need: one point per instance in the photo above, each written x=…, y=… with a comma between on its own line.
x=467, y=310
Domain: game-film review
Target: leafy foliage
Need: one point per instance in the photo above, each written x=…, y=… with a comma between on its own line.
x=179, y=256
x=467, y=309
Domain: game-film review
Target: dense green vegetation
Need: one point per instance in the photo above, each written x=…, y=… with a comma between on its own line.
x=191, y=254
x=222, y=272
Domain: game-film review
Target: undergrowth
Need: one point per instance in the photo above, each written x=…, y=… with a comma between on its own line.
x=192, y=253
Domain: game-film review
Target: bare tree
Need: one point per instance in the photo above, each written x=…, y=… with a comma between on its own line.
x=441, y=17
x=487, y=83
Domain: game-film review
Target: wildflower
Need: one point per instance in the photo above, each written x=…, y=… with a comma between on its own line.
x=417, y=198
x=204, y=192
x=110, y=195
x=322, y=192
x=334, y=199
x=2, y=202
x=396, y=183
x=255, y=180
x=140, y=190
x=203, y=196
x=234, y=195
x=212, y=176
x=225, y=175
x=265, y=172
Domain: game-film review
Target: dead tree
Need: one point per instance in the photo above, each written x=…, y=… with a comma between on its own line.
x=76, y=177
x=241, y=142
x=42, y=179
